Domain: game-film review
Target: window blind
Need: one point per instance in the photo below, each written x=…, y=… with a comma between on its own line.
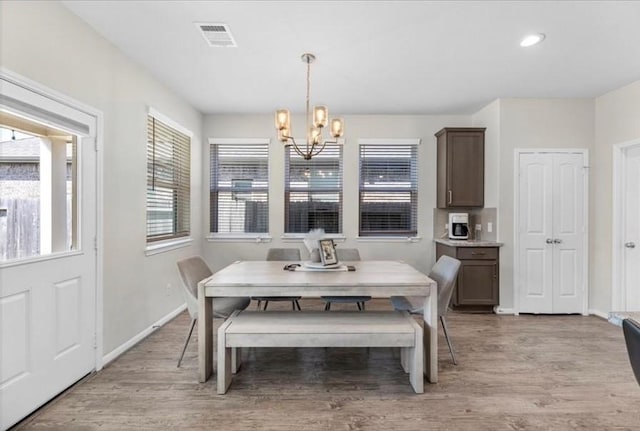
x=239, y=188
x=388, y=190
x=168, y=181
x=313, y=191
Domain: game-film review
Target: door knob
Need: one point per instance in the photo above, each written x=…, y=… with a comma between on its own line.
x=549, y=241
x=557, y=241
x=630, y=244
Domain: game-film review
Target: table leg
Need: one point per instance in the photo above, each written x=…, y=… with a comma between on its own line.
x=205, y=335
x=431, y=335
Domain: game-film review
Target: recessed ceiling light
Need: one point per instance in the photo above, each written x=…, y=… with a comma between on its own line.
x=532, y=39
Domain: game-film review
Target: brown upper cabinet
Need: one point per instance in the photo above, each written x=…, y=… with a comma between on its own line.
x=460, y=167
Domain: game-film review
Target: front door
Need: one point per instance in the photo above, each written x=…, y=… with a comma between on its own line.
x=48, y=261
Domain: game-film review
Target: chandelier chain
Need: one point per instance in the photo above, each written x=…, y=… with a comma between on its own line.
x=308, y=92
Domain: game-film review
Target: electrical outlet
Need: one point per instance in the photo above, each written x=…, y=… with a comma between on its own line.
x=168, y=290
x=478, y=226
x=489, y=227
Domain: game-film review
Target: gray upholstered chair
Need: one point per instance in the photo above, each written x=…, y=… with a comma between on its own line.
x=631, y=331
x=346, y=255
x=192, y=270
x=444, y=272
x=287, y=254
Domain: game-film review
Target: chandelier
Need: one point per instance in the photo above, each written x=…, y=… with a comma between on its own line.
x=315, y=142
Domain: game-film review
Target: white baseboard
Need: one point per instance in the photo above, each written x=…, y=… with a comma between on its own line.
x=140, y=336
x=599, y=313
x=500, y=310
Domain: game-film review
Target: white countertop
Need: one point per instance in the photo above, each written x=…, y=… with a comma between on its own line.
x=467, y=243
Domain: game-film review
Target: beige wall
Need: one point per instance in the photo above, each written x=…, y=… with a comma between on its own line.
x=46, y=43
x=419, y=254
x=489, y=117
x=533, y=123
x=617, y=120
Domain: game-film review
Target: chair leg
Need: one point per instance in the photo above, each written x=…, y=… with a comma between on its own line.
x=297, y=305
x=293, y=305
x=266, y=304
x=362, y=303
x=259, y=303
x=359, y=307
x=446, y=337
x=186, y=342
x=327, y=306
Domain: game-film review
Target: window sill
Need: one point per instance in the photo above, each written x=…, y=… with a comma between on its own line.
x=388, y=239
x=238, y=237
x=299, y=237
x=164, y=246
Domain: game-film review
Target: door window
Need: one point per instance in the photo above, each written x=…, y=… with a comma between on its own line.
x=38, y=189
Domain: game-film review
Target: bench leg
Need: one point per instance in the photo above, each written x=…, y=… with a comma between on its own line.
x=416, y=363
x=226, y=360
x=236, y=359
x=404, y=358
x=430, y=316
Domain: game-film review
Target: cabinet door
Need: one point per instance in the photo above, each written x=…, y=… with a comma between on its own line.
x=477, y=283
x=465, y=169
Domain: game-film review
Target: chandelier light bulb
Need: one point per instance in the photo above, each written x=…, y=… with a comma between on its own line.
x=337, y=128
x=282, y=119
x=320, y=116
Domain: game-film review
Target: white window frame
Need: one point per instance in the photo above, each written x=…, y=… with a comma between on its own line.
x=257, y=237
x=389, y=142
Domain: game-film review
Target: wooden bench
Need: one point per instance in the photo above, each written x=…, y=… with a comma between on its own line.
x=321, y=329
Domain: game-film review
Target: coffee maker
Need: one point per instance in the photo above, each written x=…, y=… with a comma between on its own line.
x=458, y=226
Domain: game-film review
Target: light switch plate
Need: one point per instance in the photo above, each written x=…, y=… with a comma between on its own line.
x=489, y=227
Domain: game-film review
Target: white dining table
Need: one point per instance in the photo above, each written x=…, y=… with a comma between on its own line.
x=378, y=279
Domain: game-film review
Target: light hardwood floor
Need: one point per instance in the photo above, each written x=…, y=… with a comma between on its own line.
x=514, y=373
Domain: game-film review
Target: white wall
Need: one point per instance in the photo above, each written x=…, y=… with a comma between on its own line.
x=419, y=254
x=489, y=117
x=617, y=120
x=533, y=123
x=46, y=43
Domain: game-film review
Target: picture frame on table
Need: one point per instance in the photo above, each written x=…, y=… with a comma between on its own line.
x=328, y=254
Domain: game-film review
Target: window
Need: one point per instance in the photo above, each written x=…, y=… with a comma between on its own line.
x=313, y=191
x=239, y=187
x=388, y=188
x=168, y=181
x=38, y=189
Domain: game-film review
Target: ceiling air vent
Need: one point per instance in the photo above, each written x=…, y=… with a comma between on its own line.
x=217, y=35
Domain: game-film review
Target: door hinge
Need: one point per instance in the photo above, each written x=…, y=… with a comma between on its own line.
x=95, y=143
x=95, y=243
x=94, y=341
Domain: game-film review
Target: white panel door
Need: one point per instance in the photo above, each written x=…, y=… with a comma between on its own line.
x=568, y=233
x=631, y=228
x=48, y=301
x=535, y=233
x=551, y=233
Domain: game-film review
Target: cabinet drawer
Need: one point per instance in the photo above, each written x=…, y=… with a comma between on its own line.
x=477, y=253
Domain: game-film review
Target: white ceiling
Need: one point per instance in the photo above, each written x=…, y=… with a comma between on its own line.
x=382, y=57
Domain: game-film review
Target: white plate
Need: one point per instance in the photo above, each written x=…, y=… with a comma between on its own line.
x=319, y=265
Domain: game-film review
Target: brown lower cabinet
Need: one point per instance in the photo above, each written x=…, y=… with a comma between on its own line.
x=477, y=286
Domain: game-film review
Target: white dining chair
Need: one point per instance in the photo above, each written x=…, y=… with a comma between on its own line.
x=192, y=270
x=444, y=272
x=286, y=254
x=346, y=255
